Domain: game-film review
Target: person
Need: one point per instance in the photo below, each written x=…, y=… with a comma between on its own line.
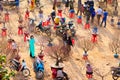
x=62, y=20
x=85, y=8
x=79, y=7
x=31, y=46
x=105, y=14
x=112, y=21
x=89, y=70
x=37, y=3
x=23, y=65
x=118, y=23
x=48, y=20
x=60, y=74
x=71, y=4
x=17, y=3
x=91, y=3
x=66, y=5
x=59, y=11
x=69, y=41
x=27, y=13
x=93, y=15
x=31, y=24
x=99, y=14
x=32, y=5
x=40, y=13
x=56, y=21
x=53, y=14
x=94, y=34
x=88, y=14
x=1, y=7
x=14, y=46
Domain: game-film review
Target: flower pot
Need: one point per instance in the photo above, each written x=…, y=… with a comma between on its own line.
x=71, y=15
x=116, y=55
x=87, y=26
x=79, y=21
x=6, y=18
x=41, y=56
x=4, y=33
x=9, y=44
x=59, y=13
x=85, y=56
x=94, y=38
x=26, y=35
x=89, y=76
x=54, y=69
x=20, y=30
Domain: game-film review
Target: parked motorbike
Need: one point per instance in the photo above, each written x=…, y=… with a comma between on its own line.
x=39, y=28
x=39, y=69
x=115, y=72
x=15, y=65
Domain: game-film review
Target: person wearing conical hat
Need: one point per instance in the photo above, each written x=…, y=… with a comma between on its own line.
x=32, y=5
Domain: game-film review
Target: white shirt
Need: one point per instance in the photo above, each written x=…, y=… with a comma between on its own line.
x=14, y=45
x=59, y=73
x=24, y=64
x=99, y=11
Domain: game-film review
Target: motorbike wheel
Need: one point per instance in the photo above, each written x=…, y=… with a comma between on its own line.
x=115, y=78
x=26, y=72
x=40, y=75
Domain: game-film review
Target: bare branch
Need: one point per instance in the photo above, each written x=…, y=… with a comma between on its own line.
x=115, y=46
x=86, y=44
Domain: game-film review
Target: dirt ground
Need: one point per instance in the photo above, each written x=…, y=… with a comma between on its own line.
x=100, y=57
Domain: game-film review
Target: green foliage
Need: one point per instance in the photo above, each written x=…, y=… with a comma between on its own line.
x=5, y=74
x=2, y=59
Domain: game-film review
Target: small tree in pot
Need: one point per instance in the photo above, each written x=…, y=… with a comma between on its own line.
x=115, y=47
x=86, y=45
x=59, y=53
x=41, y=54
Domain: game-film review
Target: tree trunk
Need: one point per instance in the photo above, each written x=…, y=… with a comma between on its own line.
x=57, y=62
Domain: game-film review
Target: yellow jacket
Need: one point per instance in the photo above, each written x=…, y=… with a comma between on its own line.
x=57, y=20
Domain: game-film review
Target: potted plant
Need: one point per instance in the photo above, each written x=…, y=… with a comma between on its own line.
x=60, y=54
x=41, y=55
x=86, y=45
x=115, y=47
x=50, y=42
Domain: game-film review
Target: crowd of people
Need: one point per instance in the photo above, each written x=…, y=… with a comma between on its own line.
x=84, y=10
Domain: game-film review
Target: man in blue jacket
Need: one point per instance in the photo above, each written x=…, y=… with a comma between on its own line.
x=17, y=3
x=105, y=14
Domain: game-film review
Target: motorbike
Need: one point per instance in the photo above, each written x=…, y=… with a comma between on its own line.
x=15, y=65
x=39, y=28
x=115, y=72
x=39, y=69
